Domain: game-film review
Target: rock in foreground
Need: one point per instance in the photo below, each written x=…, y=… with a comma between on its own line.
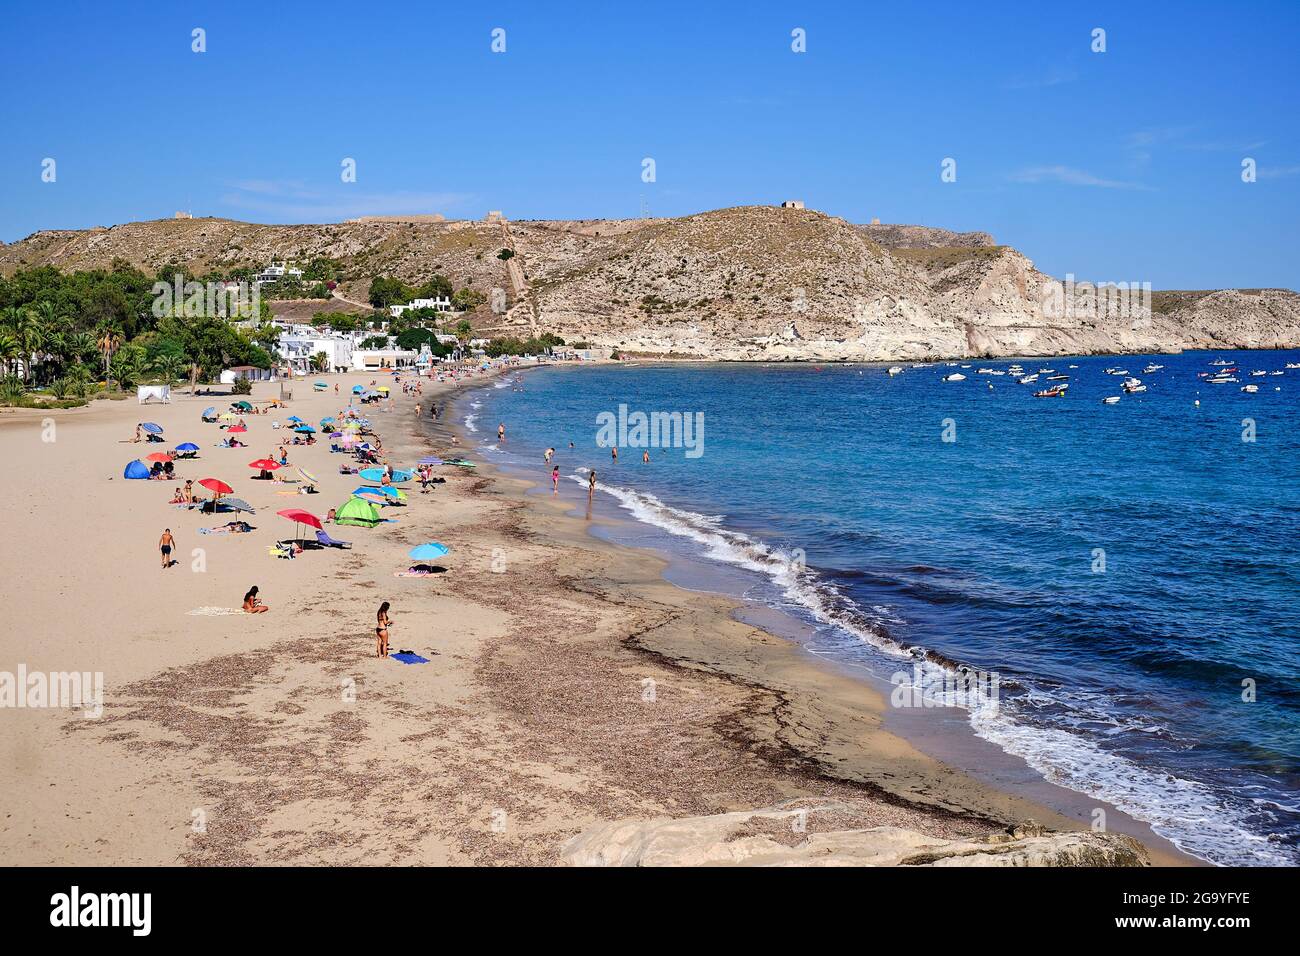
x=772, y=838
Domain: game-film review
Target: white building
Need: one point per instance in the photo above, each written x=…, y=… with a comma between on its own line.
x=441, y=303
x=366, y=360
x=299, y=346
x=274, y=272
x=249, y=372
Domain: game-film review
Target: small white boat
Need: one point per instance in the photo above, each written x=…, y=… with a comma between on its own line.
x=1134, y=389
x=1029, y=379
x=1110, y=400
x=1293, y=364
x=895, y=370
x=1151, y=368
x=955, y=377
x=1250, y=388
x=1132, y=381
x=1258, y=374
x=1278, y=372
x=1221, y=362
x=1116, y=371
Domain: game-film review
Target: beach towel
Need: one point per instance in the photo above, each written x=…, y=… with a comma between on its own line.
x=412, y=574
x=213, y=611
x=406, y=657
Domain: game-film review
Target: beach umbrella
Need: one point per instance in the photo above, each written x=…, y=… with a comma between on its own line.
x=152, y=428
x=308, y=477
x=357, y=512
x=136, y=469
x=187, y=446
x=209, y=412
x=236, y=429
x=320, y=385
x=298, y=516
x=242, y=406
x=158, y=456
x=264, y=464
x=327, y=420
x=216, y=486
x=228, y=417
x=305, y=430
x=372, y=494
x=294, y=418
x=430, y=551
x=358, y=389
x=238, y=504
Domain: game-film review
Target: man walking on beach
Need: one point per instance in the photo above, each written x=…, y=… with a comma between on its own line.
x=165, y=545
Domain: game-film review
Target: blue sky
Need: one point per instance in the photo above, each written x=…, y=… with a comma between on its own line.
x=1122, y=165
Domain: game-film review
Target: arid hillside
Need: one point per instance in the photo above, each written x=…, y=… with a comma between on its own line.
x=753, y=282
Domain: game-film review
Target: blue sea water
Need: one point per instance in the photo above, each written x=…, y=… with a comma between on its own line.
x=1130, y=571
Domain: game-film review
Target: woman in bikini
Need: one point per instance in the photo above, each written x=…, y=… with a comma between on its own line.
x=555, y=480
x=381, y=630
x=252, y=603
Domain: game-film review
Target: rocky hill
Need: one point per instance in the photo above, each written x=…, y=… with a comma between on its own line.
x=756, y=282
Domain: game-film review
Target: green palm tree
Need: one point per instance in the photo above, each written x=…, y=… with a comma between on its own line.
x=170, y=366
x=9, y=350
x=27, y=330
x=81, y=347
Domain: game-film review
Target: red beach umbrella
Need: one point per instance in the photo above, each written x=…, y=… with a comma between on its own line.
x=298, y=516
x=236, y=428
x=301, y=517
x=264, y=464
x=216, y=485
x=158, y=456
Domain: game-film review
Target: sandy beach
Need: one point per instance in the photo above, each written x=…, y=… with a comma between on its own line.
x=234, y=739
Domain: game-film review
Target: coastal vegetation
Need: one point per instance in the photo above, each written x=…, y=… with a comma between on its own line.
x=79, y=333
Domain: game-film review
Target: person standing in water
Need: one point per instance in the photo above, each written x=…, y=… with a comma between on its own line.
x=645, y=457
x=165, y=545
x=555, y=480
x=550, y=452
x=501, y=432
x=591, y=483
x=613, y=453
x=382, y=621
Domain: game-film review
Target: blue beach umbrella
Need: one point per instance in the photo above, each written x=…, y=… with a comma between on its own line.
x=305, y=429
x=152, y=428
x=366, y=490
x=430, y=460
x=320, y=385
x=427, y=552
x=294, y=418
x=358, y=389
x=209, y=412
x=136, y=469
x=327, y=420
x=187, y=446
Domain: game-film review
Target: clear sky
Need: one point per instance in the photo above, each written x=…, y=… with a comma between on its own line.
x=1122, y=165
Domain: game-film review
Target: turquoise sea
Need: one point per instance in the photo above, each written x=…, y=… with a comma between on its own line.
x=1129, y=572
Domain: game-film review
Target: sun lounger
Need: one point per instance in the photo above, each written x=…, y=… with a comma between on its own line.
x=324, y=538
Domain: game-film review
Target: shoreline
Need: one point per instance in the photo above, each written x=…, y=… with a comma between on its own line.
x=231, y=739
x=890, y=766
